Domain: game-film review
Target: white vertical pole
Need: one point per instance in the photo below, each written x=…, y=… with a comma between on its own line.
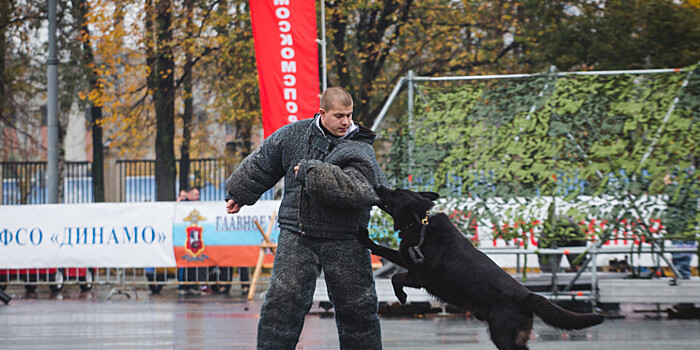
x=657, y=135
x=594, y=275
x=323, y=46
x=410, y=96
x=410, y=116
x=52, y=108
x=388, y=102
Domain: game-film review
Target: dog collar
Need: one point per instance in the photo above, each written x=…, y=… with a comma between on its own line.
x=407, y=228
x=414, y=251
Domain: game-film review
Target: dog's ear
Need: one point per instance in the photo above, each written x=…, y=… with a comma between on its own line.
x=382, y=188
x=377, y=200
x=430, y=195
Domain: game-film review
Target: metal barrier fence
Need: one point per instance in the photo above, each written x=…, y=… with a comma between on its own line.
x=590, y=266
x=77, y=183
x=209, y=175
x=217, y=279
x=25, y=182
x=137, y=180
x=221, y=279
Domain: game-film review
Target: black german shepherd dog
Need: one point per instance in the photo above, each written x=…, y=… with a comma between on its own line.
x=444, y=262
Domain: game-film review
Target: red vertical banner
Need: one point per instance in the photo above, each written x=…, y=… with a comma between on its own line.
x=286, y=52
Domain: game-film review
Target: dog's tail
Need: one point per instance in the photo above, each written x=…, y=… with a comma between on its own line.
x=557, y=317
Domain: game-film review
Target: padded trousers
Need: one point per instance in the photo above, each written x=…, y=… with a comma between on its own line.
x=348, y=272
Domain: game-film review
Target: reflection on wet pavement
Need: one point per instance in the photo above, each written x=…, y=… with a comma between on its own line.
x=75, y=320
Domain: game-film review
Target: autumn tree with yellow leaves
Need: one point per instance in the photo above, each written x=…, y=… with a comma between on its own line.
x=375, y=43
x=155, y=58
x=19, y=122
x=160, y=77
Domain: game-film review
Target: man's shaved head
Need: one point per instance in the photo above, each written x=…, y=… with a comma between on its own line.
x=335, y=97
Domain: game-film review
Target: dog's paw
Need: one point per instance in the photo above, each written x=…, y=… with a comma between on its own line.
x=401, y=295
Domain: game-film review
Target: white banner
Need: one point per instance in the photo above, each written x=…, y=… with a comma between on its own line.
x=87, y=235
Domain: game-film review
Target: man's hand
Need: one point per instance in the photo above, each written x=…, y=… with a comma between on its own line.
x=296, y=169
x=232, y=207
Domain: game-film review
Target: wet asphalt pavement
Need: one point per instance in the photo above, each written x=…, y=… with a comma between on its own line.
x=88, y=320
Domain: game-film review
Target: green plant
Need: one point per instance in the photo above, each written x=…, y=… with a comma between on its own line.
x=381, y=228
x=600, y=144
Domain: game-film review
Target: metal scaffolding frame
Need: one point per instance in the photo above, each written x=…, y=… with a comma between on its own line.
x=410, y=81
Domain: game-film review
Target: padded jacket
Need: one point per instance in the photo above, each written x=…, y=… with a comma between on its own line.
x=333, y=191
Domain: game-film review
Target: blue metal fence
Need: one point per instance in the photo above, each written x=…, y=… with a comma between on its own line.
x=137, y=180
x=77, y=183
x=25, y=182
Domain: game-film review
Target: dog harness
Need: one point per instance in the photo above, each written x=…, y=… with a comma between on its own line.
x=414, y=251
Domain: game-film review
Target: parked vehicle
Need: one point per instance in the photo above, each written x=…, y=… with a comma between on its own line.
x=54, y=276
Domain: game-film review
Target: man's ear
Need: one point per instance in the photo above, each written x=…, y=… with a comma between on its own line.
x=430, y=195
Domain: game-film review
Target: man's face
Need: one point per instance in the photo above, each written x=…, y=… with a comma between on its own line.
x=337, y=120
x=193, y=195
